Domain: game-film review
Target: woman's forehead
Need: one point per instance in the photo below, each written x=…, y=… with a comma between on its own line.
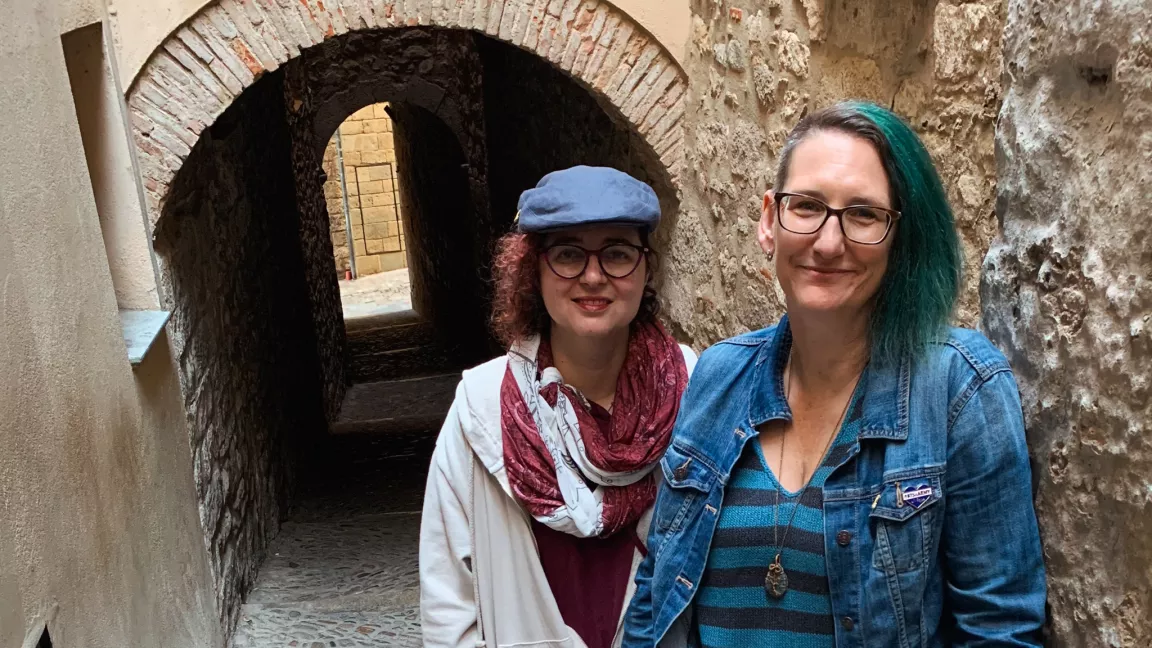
x=833, y=162
x=592, y=236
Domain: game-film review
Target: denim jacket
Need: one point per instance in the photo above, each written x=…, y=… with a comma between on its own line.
x=963, y=568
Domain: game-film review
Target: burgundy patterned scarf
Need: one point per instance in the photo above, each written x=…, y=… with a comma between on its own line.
x=561, y=467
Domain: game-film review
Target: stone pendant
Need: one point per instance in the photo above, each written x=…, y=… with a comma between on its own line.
x=776, y=581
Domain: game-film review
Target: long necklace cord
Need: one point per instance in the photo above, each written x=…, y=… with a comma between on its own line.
x=776, y=580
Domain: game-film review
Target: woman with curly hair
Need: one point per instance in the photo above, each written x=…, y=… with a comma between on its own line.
x=543, y=478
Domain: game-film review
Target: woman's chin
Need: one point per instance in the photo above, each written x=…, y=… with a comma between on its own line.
x=593, y=327
x=821, y=302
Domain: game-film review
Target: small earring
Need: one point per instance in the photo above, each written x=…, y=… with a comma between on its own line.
x=771, y=254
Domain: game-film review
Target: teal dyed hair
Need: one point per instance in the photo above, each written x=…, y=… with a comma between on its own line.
x=919, y=291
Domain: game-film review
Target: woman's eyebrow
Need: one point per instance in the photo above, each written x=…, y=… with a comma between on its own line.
x=854, y=200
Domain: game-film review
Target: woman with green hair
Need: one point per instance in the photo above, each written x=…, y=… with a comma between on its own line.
x=857, y=474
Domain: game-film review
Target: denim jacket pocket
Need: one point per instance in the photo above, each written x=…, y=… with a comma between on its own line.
x=903, y=517
x=687, y=481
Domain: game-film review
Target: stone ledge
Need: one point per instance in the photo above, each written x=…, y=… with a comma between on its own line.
x=141, y=328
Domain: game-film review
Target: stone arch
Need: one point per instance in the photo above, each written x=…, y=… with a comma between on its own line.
x=204, y=65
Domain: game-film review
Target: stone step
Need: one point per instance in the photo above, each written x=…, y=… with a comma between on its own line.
x=403, y=363
x=388, y=338
x=396, y=406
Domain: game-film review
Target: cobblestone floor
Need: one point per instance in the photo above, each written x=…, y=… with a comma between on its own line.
x=384, y=292
x=343, y=571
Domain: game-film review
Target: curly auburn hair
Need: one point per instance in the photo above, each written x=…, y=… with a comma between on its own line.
x=518, y=308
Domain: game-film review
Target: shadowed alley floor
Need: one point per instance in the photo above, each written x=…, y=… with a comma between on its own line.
x=343, y=570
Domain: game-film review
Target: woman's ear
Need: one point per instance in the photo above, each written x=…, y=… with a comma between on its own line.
x=764, y=233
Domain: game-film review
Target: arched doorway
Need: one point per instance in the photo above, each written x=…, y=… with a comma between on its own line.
x=232, y=118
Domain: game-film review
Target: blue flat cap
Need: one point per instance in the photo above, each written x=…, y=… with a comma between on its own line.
x=584, y=195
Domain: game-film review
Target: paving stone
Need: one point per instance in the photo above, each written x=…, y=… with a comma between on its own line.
x=344, y=569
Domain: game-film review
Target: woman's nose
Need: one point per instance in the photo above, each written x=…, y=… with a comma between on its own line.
x=592, y=273
x=829, y=238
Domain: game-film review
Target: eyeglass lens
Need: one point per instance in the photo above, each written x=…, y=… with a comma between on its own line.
x=862, y=224
x=616, y=261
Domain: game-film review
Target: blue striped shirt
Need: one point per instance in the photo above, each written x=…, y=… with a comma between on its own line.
x=733, y=608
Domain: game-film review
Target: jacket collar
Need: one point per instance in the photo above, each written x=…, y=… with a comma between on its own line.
x=882, y=408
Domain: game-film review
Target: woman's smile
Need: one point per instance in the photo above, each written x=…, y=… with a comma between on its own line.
x=592, y=304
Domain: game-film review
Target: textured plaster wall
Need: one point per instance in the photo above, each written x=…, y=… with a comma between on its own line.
x=98, y=531
x=757, y=67
x=232, y=247
x=99, y=112
x=1067, y=292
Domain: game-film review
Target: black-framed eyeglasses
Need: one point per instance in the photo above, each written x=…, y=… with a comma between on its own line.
x=864, y=224
x=617, y=260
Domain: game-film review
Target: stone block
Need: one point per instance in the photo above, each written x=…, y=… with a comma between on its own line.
x=351, y=158
x=377, y=230
x=373, y=187
x=351, y=128
x=375, y=157
x=367, y=264
x=358, y=143
x=358, y=246
x=392, y=244
x=379, y=214
x=385, y=199
x=392, y=261
x=379, y=113
x=367, y=112
x=375, y=246
x=380, y=172
x=379, y=126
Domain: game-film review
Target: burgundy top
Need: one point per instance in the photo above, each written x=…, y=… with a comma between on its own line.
x=588, y=576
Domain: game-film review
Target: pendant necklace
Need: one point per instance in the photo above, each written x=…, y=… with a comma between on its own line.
x=776, y=580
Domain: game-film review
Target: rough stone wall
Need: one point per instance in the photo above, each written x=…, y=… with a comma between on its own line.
x=248, y=363
x=434, y=197
x=540, y=120
x=757, y=67
x=315, y=235
x=1067, y=292
x=365, y=143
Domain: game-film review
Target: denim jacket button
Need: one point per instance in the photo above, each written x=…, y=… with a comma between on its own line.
x=844, y=538
x=847, y=623
x=680, y=473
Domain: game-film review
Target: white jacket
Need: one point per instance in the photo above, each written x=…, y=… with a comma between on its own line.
x=481, y=583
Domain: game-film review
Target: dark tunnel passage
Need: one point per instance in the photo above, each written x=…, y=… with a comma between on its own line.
x=311, y=435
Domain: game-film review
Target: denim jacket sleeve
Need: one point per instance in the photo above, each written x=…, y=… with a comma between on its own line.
x=638, y=619
x=994, y=567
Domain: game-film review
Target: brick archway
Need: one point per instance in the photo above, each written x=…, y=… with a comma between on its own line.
x=204, y=65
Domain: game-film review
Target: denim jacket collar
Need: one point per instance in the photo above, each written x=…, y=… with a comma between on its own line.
x=883, y=406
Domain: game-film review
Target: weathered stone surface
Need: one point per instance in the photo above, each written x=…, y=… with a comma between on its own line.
x=226, y=47
x=249, y=370
x=1067, y=292
x=937, y=64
